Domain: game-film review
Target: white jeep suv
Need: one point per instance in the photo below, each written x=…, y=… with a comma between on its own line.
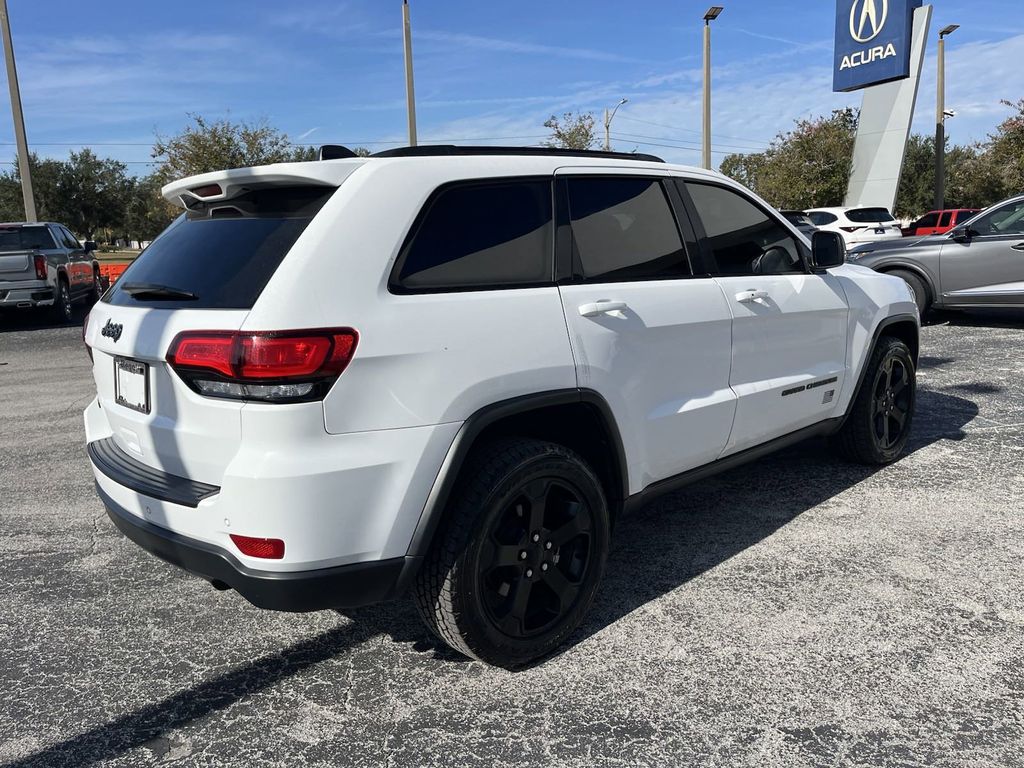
x=447, y=371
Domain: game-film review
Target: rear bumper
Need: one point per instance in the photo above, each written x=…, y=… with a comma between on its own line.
x=345, y=586
x=25, y=296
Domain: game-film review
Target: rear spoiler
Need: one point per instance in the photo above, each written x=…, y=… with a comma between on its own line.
x=224, y=185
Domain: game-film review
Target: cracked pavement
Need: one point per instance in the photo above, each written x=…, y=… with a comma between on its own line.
x=799, y=611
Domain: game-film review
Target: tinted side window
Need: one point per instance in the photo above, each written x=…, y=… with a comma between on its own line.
x=69, y=240
x=820, y=218
x=623, y=229
x=928, y=220
x=946, y=219
x=743, y=238
x=1008, y=220
x=482, y=236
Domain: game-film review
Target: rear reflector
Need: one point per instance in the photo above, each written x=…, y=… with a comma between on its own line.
x=263, y=365
x=40, y=264
x=268, y=549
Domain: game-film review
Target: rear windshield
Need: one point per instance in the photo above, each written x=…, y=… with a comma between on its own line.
x=25, y=239
x=869, y=215
x=223, y=253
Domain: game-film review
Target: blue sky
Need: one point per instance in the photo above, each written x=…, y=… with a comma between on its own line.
x=110, y=74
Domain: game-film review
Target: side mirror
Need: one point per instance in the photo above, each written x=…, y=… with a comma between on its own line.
x=962, y=234
x=828, y=249
x=90, y=245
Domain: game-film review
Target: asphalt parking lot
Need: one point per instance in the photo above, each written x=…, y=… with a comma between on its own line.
x=799, y=611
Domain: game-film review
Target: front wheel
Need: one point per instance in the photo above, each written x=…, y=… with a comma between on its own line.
x=518, y=563
x=877, y=426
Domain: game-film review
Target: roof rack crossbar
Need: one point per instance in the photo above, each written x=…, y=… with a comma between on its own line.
x=439, y=150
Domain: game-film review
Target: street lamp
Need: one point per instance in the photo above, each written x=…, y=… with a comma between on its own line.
x=940, y=121
x=711, y=15
x=608, y=125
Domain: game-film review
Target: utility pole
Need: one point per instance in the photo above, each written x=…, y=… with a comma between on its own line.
x=19, y=119
x=711, y=15
x=410, y=91
x=940, y=121
x=608, y=125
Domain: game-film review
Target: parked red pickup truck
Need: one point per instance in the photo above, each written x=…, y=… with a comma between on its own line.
x=939, y=222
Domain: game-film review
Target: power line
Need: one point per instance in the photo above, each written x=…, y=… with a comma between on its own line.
x=762, y=142
x=667, y=146
x=686, y=141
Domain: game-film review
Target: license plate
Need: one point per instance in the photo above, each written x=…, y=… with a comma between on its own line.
x=131, y=384
x=880, y=231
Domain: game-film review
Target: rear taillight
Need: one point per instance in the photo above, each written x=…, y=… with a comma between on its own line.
x=851, y=229
x=40, y=262
x=271, y=366
x=269, y=549
x=85, y=327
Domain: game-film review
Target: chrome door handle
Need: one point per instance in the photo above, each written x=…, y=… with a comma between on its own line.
x=749, y=297
x=602, y=308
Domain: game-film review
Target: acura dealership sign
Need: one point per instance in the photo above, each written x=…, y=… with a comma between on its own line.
x=872, y=42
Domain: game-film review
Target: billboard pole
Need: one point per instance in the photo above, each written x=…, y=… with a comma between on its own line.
x=19, y=119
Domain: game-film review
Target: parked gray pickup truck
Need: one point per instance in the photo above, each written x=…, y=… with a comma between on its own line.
x=44, y=265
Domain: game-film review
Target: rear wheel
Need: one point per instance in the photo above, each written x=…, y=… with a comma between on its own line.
x=62, y=310
x=917, y=288
x=878, y=425
x=519, y=561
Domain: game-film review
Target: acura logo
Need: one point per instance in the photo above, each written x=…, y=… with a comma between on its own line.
x=112, y=330
x=867, y=20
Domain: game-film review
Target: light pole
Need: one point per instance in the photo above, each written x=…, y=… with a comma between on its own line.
x=608, y=125
x=410, y=92
x=19, y=119
x=710, y=16
x=940, y=122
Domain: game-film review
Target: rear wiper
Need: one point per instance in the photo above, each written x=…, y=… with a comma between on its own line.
x=156, y=291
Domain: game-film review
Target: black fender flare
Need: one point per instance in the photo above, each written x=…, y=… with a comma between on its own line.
x=886, y=322
x=458, y=453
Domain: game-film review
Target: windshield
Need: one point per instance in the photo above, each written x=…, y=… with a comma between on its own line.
x=869, y=215
x=220, y=255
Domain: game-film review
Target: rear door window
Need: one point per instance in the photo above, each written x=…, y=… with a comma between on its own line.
x=946, y=219
x=223, y=252
x=26, y=239
x=623, y=229
x=480, y=236
x=821, y=218
x=927, y=221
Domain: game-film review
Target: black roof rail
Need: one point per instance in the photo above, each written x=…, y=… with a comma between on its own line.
x=440, y=150
x=334, y=152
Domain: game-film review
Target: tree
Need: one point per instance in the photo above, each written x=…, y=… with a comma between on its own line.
x=92, y=194
x=1005, y=150
x=148, y=214
x=214, y=145
x=45, y=178
x=571, y=131
x=807, y=167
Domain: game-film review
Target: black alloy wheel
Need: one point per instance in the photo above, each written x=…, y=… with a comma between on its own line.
x=533, y=563
x=518, y=561
x=891, y=403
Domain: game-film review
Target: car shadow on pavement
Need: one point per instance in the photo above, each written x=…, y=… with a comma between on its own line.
x=34, y=320
x=680, y=537
x=980, y=318
x=148, y=724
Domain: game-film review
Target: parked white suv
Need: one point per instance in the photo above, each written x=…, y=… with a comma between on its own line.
x=446, y=371
x=857, y=225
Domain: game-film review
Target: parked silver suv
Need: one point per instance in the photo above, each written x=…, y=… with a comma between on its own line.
x=44, y=265
x=980, y=263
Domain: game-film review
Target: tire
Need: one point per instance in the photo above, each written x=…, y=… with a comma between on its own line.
x=477, y=591
x=97, y=288
x=62, y=310
x=878, y=424
x=918, y=288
